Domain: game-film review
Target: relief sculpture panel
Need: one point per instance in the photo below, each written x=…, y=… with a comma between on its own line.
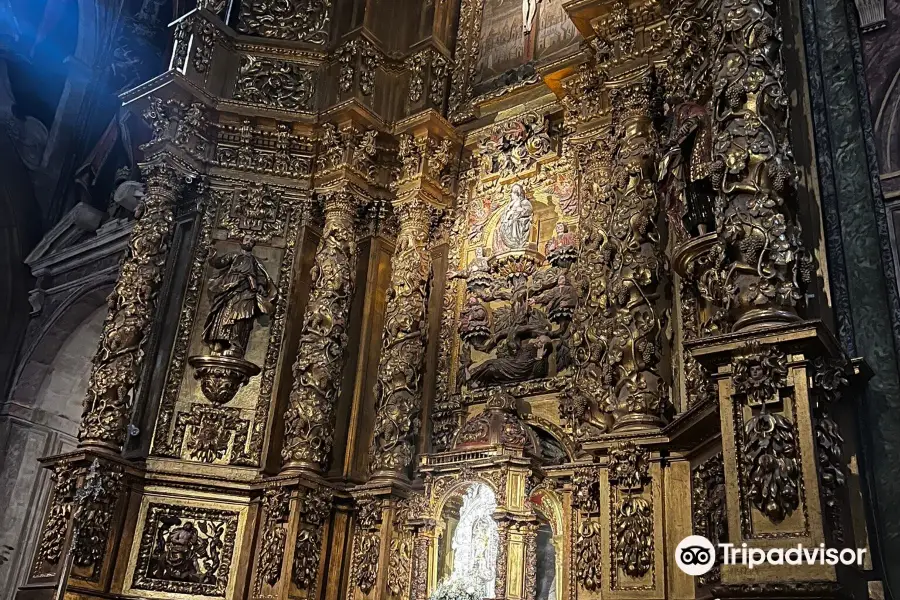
x=519, y=299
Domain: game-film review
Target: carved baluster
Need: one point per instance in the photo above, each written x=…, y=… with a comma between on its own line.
x=398, y=390
x=753, y=170
x=132, y=308
x=310, y=418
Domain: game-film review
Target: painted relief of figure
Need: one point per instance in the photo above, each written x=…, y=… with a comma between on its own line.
x=240, y=291
x=514, y=228
x=561, y=249
x=477, y=273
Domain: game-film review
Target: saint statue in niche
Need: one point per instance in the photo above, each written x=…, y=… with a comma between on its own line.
x=514, y=228
x=240, y=291
x=475, y=543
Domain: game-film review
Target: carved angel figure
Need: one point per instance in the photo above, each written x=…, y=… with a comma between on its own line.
x=477, y=274
x=240, y=291
x=514, y=228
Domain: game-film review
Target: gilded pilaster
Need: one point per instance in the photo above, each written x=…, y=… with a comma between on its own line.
x=309, y=420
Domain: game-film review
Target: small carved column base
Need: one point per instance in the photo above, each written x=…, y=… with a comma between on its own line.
x=388, y=531
x=294, y=524
x=77, y=545
x=782, y=454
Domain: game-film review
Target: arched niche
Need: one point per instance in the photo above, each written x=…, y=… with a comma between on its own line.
x=548, y=507
x=467, y=543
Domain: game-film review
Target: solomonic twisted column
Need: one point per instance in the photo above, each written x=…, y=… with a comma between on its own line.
x=309, y=420
x=619, y=325
x=132, y=308
x=398, y=390
x=753, y=171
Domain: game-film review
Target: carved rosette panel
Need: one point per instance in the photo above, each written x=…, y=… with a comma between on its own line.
x=295, y=20
x=753, y=170
x=132, y=308
x=709, y=511
x=186, y=550
x=276, y=83
x=398, y=391
x=309, y=420
x=276, y=507
x=314, y=508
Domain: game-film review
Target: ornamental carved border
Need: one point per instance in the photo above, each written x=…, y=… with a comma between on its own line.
x=296, y=20
x=209, y=531
x=276, y=83
x=166, y=441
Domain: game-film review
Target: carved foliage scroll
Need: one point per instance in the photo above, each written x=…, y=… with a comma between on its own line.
x=769, y=447
x=315, y=508
x=276, y=83
x=710, y=514
x=631, y=510
x=297, y=20
x=366, y=543
x=274, y=535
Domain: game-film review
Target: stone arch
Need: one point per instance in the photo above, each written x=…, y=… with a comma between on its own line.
x=887, y=127
x=41, y=419
x=20, y=226
x=38, y=356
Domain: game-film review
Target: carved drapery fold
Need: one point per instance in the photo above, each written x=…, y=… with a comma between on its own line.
x=132, y=308
x=398, y=391
x=310, y=418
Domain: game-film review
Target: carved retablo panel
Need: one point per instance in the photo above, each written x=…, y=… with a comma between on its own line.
x=185, y=550
x=515, y=33
x=518, y=300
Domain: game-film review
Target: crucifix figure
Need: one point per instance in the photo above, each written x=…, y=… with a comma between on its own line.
x=529, y=10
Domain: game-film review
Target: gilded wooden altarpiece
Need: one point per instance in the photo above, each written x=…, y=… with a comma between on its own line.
x=541, y=258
